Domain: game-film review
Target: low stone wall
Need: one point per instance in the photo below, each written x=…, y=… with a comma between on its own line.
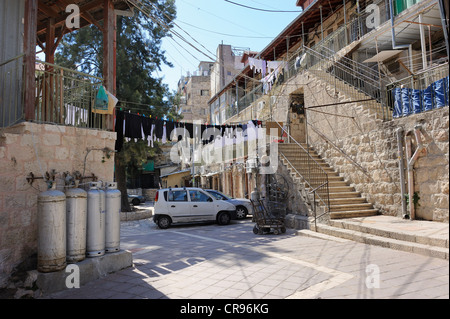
x=39, y=148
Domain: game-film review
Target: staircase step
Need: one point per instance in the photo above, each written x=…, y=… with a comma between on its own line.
x=367, y=228
x=372, y=239
x=350, y=207
x=353, y=213
x=344, y=194
x=341, y=189
x=351, y=200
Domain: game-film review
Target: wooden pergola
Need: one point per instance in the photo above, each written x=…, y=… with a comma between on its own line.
x=45, y=25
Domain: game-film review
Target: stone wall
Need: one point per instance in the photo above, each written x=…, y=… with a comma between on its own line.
x=368, y=151
x=37, y=148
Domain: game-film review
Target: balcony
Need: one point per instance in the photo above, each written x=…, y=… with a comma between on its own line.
x=62, y=96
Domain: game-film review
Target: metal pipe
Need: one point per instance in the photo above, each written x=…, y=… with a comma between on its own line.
x=394, y=45
x=412, y=212
x=399, y=132
x=411, y=159
x=423, y=44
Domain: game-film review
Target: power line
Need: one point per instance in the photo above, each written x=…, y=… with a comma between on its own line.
x=259, y=9
x=226, y=34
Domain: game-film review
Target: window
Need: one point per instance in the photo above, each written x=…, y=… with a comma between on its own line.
x=198, y=196
x=177, y=196
x=218, y=196
x=204, y=92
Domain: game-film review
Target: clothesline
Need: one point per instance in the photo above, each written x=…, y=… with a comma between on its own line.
x=135, y=126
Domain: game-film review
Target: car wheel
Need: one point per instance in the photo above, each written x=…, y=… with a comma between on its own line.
x=164, y=222
x=135, y=201
x=241, y=212
x=223, y=218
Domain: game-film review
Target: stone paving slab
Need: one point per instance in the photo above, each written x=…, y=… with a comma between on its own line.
x=230, y=262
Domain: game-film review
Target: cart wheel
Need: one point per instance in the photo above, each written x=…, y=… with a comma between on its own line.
x=275, y=231
x=255, y=230
x=283, y=229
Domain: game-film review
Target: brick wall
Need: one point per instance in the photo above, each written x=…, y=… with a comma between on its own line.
x=38, y=148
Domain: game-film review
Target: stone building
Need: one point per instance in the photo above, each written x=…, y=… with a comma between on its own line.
x=361, y=91
x=194, y=90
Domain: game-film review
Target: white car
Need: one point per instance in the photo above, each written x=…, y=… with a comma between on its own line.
x=243, y=205
x=190, y=204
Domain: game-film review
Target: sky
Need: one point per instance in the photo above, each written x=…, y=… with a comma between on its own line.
x=208, y=23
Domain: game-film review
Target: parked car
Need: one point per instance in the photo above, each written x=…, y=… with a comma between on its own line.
x=190, y=204
x=243, y=205
x=136, y=199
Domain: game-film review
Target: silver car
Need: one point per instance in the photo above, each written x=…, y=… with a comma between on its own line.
x=243, y=205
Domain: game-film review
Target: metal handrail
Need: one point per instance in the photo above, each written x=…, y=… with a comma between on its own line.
x=308, y=180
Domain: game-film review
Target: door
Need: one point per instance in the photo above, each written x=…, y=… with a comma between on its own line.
x=202, y=206
x=178, y=206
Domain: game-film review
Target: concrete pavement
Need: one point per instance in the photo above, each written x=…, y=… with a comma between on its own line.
x=230, y=262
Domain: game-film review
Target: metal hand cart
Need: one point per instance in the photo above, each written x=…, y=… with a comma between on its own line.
x=269, y=217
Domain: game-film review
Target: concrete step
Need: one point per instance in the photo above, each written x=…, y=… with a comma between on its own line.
x=350, y=207
x=353, y=213
x=347, y=200
x=344, y=194
x=392, y=236
x=400, y=233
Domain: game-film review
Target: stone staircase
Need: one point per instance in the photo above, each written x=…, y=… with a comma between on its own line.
x=345, y=201
x=353, y=218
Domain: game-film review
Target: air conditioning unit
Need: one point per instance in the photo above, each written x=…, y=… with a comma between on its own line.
x=261, y=105
x=273, y=100
x=251, y=163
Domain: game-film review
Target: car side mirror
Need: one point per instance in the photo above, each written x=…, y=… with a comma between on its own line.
x=210, y=199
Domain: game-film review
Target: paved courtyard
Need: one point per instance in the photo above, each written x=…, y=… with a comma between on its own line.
x=230, y=262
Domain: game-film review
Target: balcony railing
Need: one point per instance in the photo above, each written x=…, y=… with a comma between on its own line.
x=63, y=96
x=67, y=97
x=420, y=92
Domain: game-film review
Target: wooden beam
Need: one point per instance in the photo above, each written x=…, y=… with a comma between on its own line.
x=29, y=47
x=62, y=20
x=48, y=10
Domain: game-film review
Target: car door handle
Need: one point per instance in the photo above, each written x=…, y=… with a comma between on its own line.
x=172, y=206
x=195, y=206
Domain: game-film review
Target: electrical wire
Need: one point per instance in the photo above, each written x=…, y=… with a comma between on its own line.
x=259, y=9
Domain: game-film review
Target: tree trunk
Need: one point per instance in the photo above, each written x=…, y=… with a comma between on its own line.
x=121, y=179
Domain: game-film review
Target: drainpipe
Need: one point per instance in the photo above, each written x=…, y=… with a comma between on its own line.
x=402, y=170
x=411, y=159
x=394, y=45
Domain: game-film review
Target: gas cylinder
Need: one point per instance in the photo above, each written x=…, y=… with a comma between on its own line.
x=51, y=230
x=76, y=219
x=95, y=227
x=112, y=214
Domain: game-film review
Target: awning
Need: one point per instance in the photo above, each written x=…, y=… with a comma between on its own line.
x=383, y=56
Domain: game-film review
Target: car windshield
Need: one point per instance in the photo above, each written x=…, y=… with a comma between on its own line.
x=218, y=195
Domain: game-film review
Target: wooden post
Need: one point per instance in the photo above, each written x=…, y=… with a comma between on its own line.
x=29, y=48
x=49, y=78
x=109, y=53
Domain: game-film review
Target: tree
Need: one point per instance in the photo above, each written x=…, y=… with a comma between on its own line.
x=138, y=56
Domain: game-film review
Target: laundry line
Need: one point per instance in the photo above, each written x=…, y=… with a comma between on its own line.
x=130, y=126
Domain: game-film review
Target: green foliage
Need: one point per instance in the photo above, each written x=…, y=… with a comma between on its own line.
x=138, y=57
